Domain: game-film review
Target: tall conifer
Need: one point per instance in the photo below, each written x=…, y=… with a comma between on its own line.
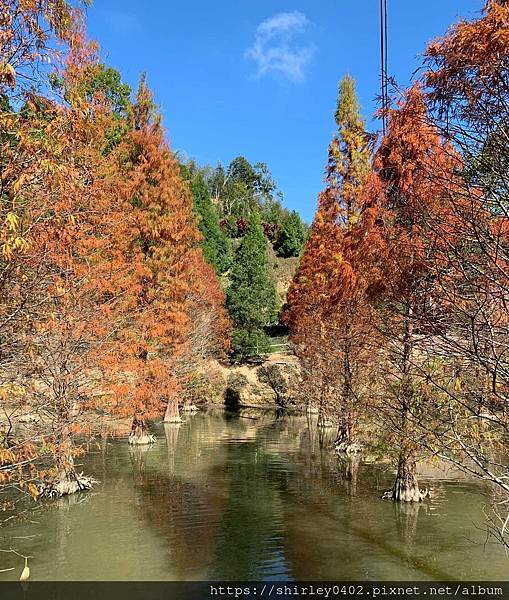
x=214, y=243
x=251, y=297
x=323, y=300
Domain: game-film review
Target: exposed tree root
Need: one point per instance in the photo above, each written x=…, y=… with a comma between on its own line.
x=173, y=419
x=139, y=433
x=66, y=486
x=407, y=495
x=172, y=414
x=348, y=448
x=406, y=487
x=141, y=440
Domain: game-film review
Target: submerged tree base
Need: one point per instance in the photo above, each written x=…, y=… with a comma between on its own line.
x=67, y=486
x=139, y=433
x=406, y=486
x=141, y=440
x=406, y=492
x=348, y=448
x=173, y=419
x=325, y=424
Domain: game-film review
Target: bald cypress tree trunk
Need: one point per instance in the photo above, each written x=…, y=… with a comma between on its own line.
x=406, y=486
x=66, y=480
x=323, y=410
x=172, y=414
x=140, y=435
x=347, y=431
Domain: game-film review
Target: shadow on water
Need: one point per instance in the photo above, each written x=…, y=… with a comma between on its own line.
x=369, y=535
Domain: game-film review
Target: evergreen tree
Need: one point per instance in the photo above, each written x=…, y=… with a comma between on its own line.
x=215, y=244
x=243, y=188
x=292, y=236
x=251, y=297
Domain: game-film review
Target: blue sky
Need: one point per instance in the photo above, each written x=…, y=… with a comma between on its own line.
x=259, y=77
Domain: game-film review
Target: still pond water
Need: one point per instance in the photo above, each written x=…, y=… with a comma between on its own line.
x=229, y=497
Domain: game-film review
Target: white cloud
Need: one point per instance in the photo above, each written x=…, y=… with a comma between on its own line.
x=276, y=49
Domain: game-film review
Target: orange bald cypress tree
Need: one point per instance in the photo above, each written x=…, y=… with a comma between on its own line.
x=468, y=92
x=63, y=269
x=406, y=195
x=48, y=301
x=324, y=312
x=308, y=298
x=34, y=33
x=103, y=285
x=467, y=81
x=162, y=242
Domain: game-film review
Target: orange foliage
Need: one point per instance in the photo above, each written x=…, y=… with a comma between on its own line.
x=466, y=65
x=325, y=309
x=105, y=288
x=170, y=289
x=410, y=189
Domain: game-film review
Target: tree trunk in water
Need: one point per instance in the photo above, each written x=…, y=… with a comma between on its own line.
x=406, y=487
x=139, y=433
x=323, y=413
x=347, y=431
x=311, y=409
x=172, y=414
x=67, y=481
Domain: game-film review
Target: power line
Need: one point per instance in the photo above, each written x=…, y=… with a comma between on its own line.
x=384, y=62
x=386, y=68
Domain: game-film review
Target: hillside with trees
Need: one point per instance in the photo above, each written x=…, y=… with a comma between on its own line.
x=253, y=243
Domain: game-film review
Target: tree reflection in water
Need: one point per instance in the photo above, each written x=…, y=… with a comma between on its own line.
x=252, y=496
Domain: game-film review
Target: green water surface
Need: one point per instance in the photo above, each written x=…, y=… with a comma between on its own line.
x=225, y=496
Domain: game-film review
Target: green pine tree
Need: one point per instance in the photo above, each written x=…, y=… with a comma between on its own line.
x=251, y=298
x=215, y=245
x=292, y=236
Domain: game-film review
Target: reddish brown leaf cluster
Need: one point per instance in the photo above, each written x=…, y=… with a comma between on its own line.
x=404, y=307
x=106, y=300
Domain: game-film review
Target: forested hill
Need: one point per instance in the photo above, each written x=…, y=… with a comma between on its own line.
x=225, y=200
x=252, y=241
